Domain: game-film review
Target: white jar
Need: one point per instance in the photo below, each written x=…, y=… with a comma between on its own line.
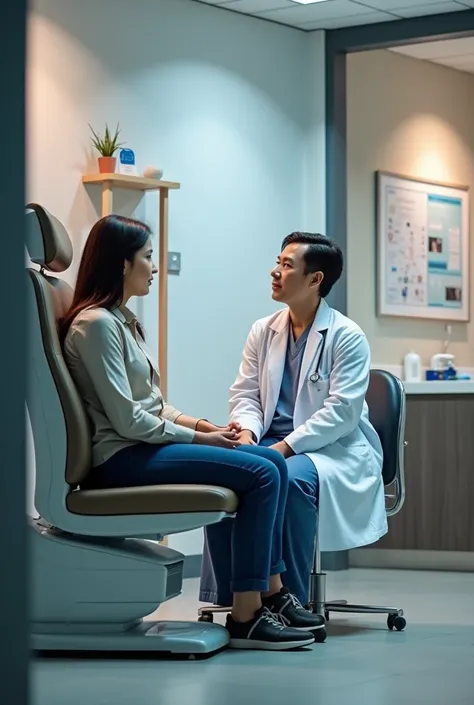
x=412, y=367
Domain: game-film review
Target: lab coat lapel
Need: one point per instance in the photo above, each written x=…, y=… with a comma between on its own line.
x=276, y=359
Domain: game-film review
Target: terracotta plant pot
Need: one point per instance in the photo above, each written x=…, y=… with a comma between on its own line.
x=107, y=165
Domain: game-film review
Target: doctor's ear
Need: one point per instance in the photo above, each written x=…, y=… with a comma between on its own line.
x=316, y=279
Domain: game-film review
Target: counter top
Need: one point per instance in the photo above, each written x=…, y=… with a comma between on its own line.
x=454, y=387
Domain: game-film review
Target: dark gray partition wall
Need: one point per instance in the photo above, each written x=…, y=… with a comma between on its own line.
x=339, y=43
x=13, y=573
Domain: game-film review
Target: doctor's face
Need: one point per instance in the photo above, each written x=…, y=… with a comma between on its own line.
x=290, y=283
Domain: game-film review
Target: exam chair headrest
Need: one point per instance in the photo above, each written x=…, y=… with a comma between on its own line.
x=47, y=241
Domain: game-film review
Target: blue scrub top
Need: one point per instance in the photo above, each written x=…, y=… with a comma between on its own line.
x=282, y=424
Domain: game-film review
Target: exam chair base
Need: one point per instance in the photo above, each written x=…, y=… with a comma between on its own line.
x=95, y=594
x=174, y=638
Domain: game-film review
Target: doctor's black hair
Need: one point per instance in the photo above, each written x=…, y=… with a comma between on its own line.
x=322, y=255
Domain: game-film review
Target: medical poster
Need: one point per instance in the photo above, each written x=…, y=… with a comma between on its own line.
x=423, y=249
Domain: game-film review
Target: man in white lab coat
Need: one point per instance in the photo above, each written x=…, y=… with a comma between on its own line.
x=301, y=390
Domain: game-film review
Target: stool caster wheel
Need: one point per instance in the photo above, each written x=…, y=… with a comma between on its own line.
x=206, y=617
x=320, y=635
x=395, y=621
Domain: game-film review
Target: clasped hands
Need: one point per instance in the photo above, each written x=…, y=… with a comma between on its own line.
x=239, y=436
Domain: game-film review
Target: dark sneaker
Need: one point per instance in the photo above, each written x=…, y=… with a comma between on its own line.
x=265, y=631
x=292, y=612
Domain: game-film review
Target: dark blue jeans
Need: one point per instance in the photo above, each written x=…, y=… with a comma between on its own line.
x=299, y=533
x=257, y=475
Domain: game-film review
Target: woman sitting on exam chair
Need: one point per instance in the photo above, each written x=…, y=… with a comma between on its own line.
x=139, y=439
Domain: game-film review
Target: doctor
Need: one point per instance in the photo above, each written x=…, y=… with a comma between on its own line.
x=301, y=390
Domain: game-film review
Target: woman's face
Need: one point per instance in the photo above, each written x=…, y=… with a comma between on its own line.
x=138, y=275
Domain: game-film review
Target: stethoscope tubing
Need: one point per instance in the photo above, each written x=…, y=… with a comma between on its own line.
x=315, y=376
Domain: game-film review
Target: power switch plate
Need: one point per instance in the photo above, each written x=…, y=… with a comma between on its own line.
x=174, y=262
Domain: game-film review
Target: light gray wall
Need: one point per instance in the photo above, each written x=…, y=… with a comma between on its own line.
x=415, y=118
x=230, y=106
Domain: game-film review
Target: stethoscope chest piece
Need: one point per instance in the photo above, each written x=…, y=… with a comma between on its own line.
x=315, y=377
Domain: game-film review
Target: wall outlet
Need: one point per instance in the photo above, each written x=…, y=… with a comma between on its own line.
x=174, y=262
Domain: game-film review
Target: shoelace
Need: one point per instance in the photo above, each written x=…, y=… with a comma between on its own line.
x=275, y=620
x=291, y=600
x=296, y=603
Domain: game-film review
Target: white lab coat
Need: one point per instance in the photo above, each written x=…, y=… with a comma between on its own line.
x=331, y=419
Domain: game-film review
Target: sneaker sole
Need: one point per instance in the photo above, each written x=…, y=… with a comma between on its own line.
x=254, y=644
x=314, y=628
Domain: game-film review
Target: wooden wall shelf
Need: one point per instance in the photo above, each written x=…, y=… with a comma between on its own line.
x=137, y=183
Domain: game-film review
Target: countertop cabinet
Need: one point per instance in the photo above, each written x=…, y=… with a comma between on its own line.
x=438, y=514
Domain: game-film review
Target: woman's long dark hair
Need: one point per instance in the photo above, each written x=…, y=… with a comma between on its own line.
x=112, y=240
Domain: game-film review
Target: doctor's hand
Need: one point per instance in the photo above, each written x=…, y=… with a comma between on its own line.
x=246, y=438
x=228, y=439
x=283, y=448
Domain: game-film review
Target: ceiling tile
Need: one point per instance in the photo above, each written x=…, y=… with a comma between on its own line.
x=459, y=63
x=394, y=5
x=254, y=6
x=453, y=53
x=332, y=9
x=438, y=50
x=352, y=21
x=217, y=2
x=331, y=14
x=417, y=10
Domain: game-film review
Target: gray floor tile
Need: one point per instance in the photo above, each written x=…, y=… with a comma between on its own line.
x=362, y=663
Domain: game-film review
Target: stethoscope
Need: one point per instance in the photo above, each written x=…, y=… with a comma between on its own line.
x=315, y=376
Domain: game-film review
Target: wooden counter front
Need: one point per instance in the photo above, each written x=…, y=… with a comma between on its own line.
x=438, y=514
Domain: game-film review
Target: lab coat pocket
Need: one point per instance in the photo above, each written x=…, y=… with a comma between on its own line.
x=320, y=389
x=351, y=443
x=317, y=393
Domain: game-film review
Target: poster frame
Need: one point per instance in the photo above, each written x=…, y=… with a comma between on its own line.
x=384, y=308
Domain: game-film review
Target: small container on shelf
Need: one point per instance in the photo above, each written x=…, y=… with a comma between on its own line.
x=441, y=368
x=412, y=367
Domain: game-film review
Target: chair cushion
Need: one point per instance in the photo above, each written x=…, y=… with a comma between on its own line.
x=154, y=499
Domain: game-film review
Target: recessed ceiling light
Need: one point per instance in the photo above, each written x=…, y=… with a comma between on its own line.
x=308, y=2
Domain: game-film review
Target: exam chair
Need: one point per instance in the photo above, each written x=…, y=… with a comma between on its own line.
x=95, y=573
x=386, y=401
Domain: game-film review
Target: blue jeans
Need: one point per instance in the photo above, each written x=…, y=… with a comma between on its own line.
x=299, y=533
x=257, y=475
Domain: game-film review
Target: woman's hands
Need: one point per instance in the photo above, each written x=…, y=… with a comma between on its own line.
x=230, y=436
x=205, y=426
x=218, y=439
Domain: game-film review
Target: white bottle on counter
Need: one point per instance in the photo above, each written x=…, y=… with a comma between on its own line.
x=412, y=367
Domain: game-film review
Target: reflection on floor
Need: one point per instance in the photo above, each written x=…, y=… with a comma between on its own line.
x=361, y=663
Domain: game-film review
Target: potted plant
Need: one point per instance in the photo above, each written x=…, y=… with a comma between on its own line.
x=106, y=146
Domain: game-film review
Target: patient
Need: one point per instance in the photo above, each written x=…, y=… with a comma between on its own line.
x=140, y=439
